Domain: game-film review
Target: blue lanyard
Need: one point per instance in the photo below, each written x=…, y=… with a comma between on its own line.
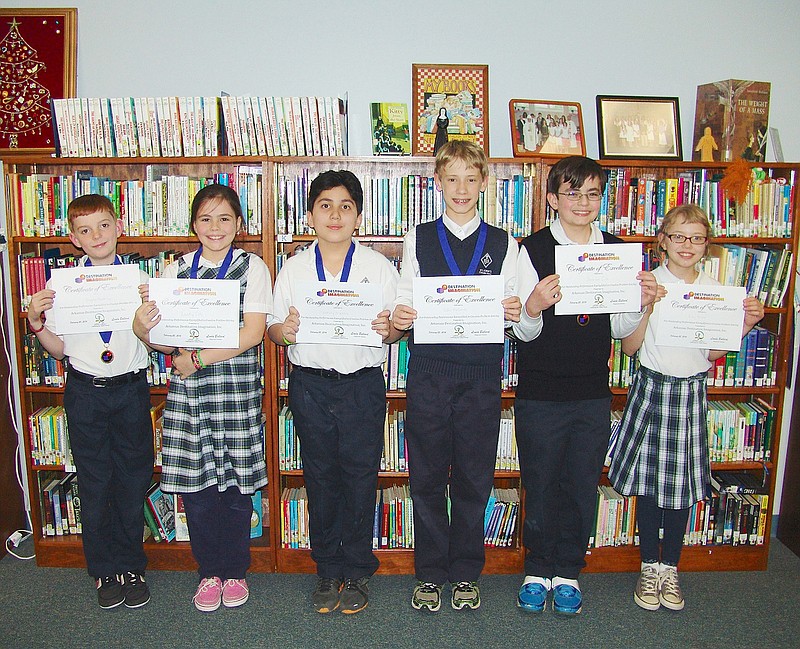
x=348, y=262
x=222, y=269
x=105, y=335
x=448, y=252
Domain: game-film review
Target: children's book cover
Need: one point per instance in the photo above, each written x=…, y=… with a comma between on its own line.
x=390, y=134
x=730, y=121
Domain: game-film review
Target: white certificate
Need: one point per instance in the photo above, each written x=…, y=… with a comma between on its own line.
x=459, y=309
x=338, y=313
x=599, y=278
x=708, y=317
x=94, y=298
x=196, y=313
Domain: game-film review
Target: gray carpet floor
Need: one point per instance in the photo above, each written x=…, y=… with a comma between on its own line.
x=56, y=607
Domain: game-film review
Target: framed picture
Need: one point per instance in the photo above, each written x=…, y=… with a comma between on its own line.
x=454, y=98
x=541, y=127
x=639, y=127
x=39, y=50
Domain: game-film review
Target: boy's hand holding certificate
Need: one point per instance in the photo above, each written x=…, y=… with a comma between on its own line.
x=703, y=316
x=196, y=313
x=465, y=309
x=90, y=299
x=599, y=278
x=338, y=313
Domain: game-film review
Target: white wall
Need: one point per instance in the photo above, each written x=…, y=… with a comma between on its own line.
x=535, y=50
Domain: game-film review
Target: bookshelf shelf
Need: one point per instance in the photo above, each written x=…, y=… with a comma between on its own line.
x=273, y=241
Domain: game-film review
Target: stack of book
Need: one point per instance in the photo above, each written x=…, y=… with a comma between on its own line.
x=500, y=518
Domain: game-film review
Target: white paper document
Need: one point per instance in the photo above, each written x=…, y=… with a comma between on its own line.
x=599, y=278
x=338, y=313
x=196, y=313
x=708, y=317
x=459, y=309
x=94, y=298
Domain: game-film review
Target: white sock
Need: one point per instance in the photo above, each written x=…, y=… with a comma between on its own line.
x=537, y=580
x=558, y=581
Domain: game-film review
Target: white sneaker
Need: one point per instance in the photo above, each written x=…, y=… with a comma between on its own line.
x=669, y=590
x=646, y=593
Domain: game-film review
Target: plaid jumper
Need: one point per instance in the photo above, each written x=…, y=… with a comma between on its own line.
x=212, y=419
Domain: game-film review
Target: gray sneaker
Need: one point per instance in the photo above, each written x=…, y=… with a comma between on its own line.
x=326, y=595
x=646, y=592
x=466, y=594
x=354, y=595
x=427, y=596
x=669, y=590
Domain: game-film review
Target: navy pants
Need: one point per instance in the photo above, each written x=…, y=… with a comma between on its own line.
x=650, y=517
x=219, y=529
x=561, y=447
x=452, y=426
x=112, y=444
x=339, y=422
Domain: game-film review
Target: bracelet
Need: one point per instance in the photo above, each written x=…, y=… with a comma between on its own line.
x=287, y=342
x=197, y=361
x=36, y=331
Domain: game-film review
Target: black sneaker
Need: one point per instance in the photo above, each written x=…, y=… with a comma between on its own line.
x=136, y=591
x=326, y=595
x=354, y=595
x=109, y=591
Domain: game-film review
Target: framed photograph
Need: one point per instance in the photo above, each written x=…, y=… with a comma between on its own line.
x=540, y=127
x=451, y=100
x=39, y=51
x=639, y=127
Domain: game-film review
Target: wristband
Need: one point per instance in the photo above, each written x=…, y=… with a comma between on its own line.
x=287, y=342
x=197, y=361
x=36, y=331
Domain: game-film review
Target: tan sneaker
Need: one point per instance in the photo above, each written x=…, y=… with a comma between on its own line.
x=669, y=590
x=646, y=593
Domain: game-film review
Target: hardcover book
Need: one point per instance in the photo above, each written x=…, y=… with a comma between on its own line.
x=390, y=134
x=730, y=121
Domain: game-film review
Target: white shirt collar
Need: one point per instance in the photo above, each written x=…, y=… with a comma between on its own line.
x=462, y=232
x=557, y=230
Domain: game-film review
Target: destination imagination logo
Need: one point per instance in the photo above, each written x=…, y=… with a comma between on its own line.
x=195, y=291
x=337, y=292
x=708, y=297
x=99, y=277
x=598, y=256
x=458, y=288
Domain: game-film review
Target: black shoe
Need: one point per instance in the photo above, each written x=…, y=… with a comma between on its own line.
x=326, y=595
x=109, y=592
x=135, y=588
x=354, y=595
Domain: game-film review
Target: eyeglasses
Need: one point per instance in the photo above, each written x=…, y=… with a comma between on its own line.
x=697, y=239
x=574, y=196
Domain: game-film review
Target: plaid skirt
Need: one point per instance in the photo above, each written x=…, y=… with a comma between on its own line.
x=213, y=431
x=662, y=448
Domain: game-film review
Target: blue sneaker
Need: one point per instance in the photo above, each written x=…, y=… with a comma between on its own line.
x=567, y=599
x=532, y=597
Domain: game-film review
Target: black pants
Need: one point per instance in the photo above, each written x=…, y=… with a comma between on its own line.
x=452, y=426
x=219, y=529
x=561, y=446
x=650, y=517
x=112, y=444
x=339, y=422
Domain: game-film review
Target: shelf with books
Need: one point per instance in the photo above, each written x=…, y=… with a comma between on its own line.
x=152, y=197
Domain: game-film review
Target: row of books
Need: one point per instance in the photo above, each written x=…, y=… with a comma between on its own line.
x=93, y=127
x=393, y=522
x=635, y=205
x=60, y=504
x=740, y=431
x=394, y=204
x=157, y=205
x=394, y=457
x=48, y=432
x=754, y=365
x=764, y=272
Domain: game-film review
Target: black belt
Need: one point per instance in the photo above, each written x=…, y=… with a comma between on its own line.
x=333, y=374
x=106, y=381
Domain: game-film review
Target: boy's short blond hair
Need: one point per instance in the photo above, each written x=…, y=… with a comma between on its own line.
x=89, y=204
x=468, y=152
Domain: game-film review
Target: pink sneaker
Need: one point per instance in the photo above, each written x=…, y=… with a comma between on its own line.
x=208, y=595
x=235, y=592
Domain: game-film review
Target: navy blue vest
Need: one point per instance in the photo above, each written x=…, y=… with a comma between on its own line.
x=567, y=361
x=453, y=360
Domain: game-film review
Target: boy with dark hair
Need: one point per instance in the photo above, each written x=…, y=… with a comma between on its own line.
x=453, y=390
x=107, y=401
x=562, y=400
x=337, y=395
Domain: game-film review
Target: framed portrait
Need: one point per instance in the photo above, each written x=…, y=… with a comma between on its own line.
x=38, y=63
x=451, y=100
x=639, y=127
x=540, y=127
